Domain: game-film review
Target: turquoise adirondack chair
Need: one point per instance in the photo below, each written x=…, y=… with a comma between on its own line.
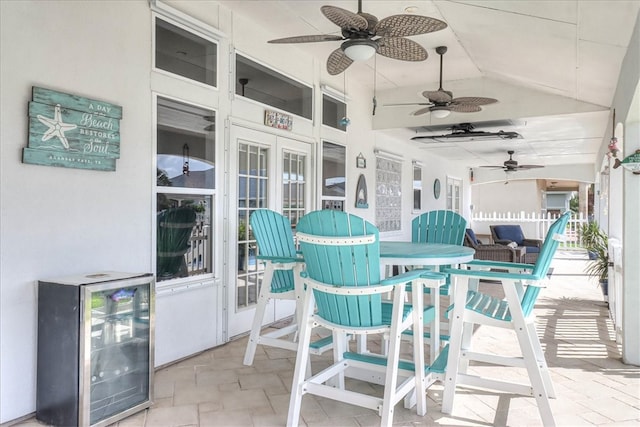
x=342, y=277
x=276, y=249
x=521, y=284
x=440, y=226
x=173, y=241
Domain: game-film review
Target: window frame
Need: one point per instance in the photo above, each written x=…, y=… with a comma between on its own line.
x=452, y=183
x=205, y=192
x=417, y=165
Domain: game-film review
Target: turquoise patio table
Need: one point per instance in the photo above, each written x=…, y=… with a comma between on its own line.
x=436, y=254
x=432, y=254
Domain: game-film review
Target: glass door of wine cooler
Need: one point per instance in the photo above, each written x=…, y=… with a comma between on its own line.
x=116, y=374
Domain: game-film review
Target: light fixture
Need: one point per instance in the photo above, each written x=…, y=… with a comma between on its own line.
x=359, y=50
x=632, y=163
x=440, y=112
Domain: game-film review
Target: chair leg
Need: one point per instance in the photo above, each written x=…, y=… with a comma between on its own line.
x=302, y=361
x=535, y=375
x=546, y=375
x=417, y=297
x=340, y=344
x=254, y=337
x=391, y=374
x=456, y=327
x=263, y=300
x=527, y=336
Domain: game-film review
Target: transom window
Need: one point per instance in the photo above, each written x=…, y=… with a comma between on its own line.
x=257, y=82
x=334, y=113
x=181, y=52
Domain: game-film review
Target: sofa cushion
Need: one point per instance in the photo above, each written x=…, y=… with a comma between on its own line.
x=532, y=249
x=509, y=232
x=472, y=237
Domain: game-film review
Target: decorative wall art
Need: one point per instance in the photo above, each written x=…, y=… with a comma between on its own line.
x=278, y=120
x=361, y=193
x=436, y=189
x=72, y=132
x=361, y=162
x=388, y=194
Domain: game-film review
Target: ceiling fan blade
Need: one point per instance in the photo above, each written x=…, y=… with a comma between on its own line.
x=492, y=167
x=308, y=39
x=421, y=111
x=344, y=19
x=440, y=96
x=404, y=104
x=408, y=25
x=529, y=166
x=464, y=108
x=401, y=48
x=338, y=62
x=474, y=100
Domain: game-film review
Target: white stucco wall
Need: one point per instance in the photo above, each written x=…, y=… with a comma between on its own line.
x=58, y=221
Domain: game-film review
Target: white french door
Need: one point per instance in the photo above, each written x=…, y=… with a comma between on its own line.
x=266, y=171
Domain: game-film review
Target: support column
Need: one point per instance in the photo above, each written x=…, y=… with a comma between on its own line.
x=631, y=249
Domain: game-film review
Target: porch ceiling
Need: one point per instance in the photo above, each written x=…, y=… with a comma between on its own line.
x=553, y=66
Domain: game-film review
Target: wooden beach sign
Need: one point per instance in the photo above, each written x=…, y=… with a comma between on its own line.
x=72, y=131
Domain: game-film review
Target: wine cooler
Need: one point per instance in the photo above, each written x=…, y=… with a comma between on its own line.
x=95, y=348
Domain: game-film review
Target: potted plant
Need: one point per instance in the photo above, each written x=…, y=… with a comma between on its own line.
x=590, y=235
x=599, y=266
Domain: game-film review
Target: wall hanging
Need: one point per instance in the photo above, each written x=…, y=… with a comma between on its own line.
x=361, y=193
x=436, y=189
x=72, y=132
x=361, y=162
x=278, y=120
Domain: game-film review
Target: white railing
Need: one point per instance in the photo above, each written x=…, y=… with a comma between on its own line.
x=197, y=258
x=534, y=225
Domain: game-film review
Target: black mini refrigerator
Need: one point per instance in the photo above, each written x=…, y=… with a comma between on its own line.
x=95, y=348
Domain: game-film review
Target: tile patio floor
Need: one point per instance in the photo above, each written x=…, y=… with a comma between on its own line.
x=593, y=386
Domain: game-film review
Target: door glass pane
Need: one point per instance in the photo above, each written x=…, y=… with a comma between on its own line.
x=186, y=145
x=252, y=195
x=293, y=184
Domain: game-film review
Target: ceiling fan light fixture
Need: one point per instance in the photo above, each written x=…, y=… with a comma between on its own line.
x=440, y=112
x=359, y=50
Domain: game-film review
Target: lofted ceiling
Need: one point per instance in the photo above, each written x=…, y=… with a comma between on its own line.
x=552, y=65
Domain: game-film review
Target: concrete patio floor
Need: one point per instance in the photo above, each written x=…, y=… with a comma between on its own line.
x=592, y=384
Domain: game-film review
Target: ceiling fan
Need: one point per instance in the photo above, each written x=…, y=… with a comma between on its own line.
x=363, y=35
x=465, y=132
x=512, y=165
x=442, y=103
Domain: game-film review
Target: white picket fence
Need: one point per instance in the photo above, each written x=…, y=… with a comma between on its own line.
x=534, y=225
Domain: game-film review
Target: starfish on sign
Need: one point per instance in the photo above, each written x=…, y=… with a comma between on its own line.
x=56, y=127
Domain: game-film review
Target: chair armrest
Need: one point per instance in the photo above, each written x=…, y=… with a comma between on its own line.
x=279, y=259
x=532, y=242
x=494, y=275
x=413, y=275
x=498, y=264
x=502, y=241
